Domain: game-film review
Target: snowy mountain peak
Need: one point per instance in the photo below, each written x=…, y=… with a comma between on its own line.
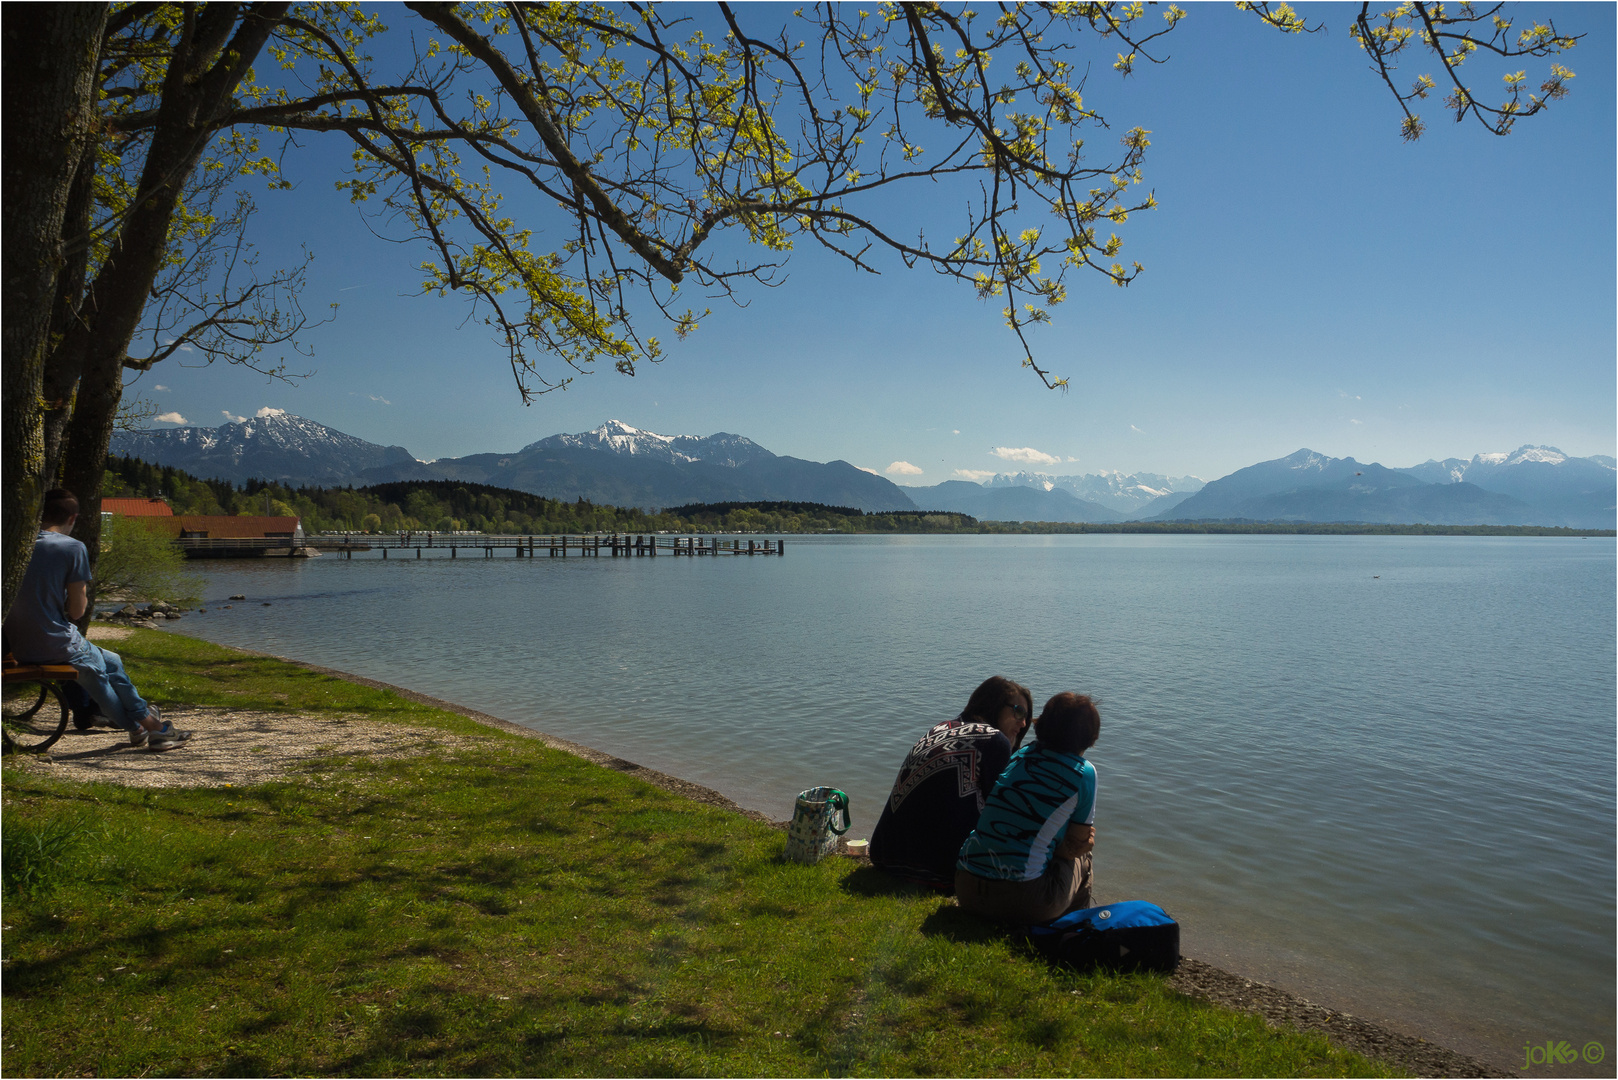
x=272, y=445
x=617, y=437
x=1308, y=459
x=1115, y=490
x=1455, y=470
x=1548, y=454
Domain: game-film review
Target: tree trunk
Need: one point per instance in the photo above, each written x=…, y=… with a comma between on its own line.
x=97, y=341
x=62, y=372
x=50, y=56
x=198, y=86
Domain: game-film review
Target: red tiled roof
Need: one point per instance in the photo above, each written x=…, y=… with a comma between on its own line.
x=136, y=507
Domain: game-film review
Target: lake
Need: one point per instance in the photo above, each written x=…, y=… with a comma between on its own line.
x=1377, y=771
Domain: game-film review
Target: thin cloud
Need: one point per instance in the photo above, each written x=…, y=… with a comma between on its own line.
x=1027, y=455
x=1136, y=430
x=159, y=386
x=955, y=431
x=234, y=419
x=269, y=411
x=903, y=468
x=974, y=475
x=862, y=468
x=170, y=418
x=1353, y=421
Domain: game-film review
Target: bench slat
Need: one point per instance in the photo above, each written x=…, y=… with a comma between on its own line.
x=40, y=673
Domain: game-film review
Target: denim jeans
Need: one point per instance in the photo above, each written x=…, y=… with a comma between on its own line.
x=102, y=676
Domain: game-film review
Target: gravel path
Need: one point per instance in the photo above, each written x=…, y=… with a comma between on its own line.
x=232, y=747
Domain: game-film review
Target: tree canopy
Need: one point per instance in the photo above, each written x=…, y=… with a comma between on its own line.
x=557, y=162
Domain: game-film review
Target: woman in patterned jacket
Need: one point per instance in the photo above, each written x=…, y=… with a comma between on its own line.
x=944, y=782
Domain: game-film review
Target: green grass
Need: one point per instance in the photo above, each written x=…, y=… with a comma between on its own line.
x=512, y=909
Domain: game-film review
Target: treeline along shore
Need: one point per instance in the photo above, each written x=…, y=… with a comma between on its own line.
x=454, y=506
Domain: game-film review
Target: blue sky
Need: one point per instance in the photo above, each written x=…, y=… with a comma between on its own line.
x=1311, y=280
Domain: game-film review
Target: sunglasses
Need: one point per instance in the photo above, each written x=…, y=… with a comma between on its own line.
x=1022, y=713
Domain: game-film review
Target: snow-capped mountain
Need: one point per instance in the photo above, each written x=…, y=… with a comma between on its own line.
x=1010, y=502
x=1125, y=493
x=1580, y=492
x=622, y=465
x=274, y=445
x=626, y=466
x=617, y=437
x=1307, y=486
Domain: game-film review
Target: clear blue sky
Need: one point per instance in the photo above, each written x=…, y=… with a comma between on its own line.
x=1311, y=280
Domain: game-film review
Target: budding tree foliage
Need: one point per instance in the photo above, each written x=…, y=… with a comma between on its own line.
x=567, y=166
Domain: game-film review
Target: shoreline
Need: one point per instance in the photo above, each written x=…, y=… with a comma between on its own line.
x=1280, y=1008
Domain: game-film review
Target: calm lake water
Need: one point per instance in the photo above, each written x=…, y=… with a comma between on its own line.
x=1378, y=771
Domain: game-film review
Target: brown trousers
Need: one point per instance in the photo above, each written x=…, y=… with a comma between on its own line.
x=1065, y=886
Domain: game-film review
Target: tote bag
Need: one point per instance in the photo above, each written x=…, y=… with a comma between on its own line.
x=814, y=831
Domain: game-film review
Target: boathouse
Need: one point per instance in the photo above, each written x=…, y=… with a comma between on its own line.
x=123, y=506
x=212, y=535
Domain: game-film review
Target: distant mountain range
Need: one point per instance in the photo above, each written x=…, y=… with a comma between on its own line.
x=1132, y=495
x=1578, y=490
x=274, y=445
x=1534, y=485
x=1025, y=496
x=615, y=464
x=625, y=466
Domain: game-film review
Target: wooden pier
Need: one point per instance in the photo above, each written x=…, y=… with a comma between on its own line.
x=614, y=545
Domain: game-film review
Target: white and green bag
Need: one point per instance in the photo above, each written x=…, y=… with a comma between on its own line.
x=814, y=830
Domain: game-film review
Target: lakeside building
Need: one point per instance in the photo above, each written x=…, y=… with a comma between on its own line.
x=228, y=534
x=120, y=506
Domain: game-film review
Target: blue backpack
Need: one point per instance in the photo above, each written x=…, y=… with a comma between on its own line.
x=1132, y=935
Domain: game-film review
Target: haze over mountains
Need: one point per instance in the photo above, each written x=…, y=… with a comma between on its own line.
x=1026, y=496
x=626, y=466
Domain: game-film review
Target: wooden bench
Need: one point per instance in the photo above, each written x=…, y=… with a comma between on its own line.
x=30, y=724
x=16, y=673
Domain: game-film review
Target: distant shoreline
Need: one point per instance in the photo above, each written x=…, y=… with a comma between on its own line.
x=1285, y=528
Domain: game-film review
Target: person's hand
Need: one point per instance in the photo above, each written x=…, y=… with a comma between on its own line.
x=1080, y=840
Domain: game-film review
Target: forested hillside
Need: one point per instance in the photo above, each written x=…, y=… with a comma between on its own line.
x=451, y=505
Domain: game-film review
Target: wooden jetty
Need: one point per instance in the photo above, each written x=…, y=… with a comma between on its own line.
x=615, y=545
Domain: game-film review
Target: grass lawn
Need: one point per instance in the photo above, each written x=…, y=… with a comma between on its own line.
x=504, y=908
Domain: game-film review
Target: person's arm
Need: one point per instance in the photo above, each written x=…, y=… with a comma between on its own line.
x=78, y=598
x=1080, y=840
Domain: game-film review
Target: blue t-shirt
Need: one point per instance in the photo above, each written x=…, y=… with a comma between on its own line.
x=38, y=629
x=1027, y=815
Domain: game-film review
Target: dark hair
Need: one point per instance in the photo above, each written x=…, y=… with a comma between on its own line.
x=1069, y=724
x=994, y=693
x=60, y=505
